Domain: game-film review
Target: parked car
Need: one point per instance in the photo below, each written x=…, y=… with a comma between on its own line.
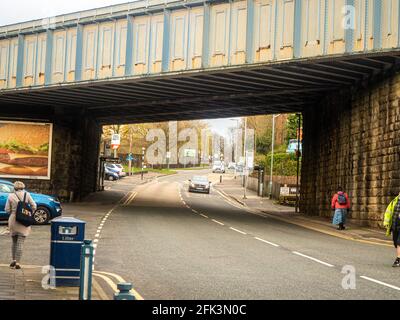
x=232, y=165
x=110, y=174
x=218, y=167
x=199, y=184
x=48, y=207
x=292, y=147
x=116, y=167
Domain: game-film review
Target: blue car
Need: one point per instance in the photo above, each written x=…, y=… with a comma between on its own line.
x=48, y=207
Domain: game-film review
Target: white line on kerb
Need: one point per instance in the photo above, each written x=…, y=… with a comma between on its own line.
x=216, y=221
x=204, y=216
x=313, y=259
x=268, y=242
x=233, y=229
x=380, y=282
x=194, y=211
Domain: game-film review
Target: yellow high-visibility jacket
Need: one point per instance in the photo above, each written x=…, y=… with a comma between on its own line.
x=388, y=220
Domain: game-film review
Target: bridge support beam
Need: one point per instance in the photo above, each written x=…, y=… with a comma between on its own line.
x=165, y=50
x=352, y=141
x=49, y=57
x=78, y=56
x=20, y=60
x=206, y=36
x=250, y=31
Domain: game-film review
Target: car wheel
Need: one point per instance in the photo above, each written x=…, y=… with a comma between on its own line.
x=41, y=216
x=110, y=178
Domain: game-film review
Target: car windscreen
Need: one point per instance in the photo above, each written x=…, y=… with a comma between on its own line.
x=199, y=179
x=217, y=163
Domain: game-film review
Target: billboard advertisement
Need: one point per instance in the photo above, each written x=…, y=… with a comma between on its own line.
x=25, y=150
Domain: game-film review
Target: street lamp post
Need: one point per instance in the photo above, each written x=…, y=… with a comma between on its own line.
x=143, y=149
x=272, y=154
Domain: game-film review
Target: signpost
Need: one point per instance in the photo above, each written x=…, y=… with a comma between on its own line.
x=168, y=156
x=115, y=143
x=129, y=158
x=189, y=153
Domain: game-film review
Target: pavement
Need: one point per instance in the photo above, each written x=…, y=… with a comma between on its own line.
x=231, y=188
x=26, y=284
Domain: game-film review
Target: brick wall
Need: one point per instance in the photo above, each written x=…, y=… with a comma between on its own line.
x=353, y=140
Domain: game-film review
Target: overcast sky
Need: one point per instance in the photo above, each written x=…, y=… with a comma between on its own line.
x=24, y=10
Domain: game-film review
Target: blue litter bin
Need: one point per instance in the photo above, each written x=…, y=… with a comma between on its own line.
x=67, y=235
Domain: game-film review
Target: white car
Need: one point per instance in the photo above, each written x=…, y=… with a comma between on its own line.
x=232, y=165
x=218, y=167
x=117, y=168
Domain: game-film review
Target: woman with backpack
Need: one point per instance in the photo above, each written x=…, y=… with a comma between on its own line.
x=340, y=205
x=18, y=231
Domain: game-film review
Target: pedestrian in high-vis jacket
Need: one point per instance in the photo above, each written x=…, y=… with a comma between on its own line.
x=18, y=231
x=392, y=224
x=340, y=205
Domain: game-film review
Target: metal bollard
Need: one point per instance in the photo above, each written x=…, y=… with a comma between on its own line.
x=220, y=178
x=85, y=287
x=124, y=292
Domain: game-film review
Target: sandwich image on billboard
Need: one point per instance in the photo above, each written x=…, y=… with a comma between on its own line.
x=25, y=150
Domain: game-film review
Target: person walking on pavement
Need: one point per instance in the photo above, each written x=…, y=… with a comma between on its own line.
x=18, y=231
x=340, y=205
x=392, y=224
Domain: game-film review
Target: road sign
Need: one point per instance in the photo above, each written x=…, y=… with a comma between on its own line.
x=115, y=141
x=250, y=159
x=190, y=153
x=168, y=155
x=130, y=157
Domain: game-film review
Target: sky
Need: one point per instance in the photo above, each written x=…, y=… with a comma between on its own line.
x=24, y=10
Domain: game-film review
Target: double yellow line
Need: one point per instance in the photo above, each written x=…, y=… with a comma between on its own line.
x=106, y=276
x=129, y=199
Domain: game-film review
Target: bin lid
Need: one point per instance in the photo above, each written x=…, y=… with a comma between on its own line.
x=67, y=220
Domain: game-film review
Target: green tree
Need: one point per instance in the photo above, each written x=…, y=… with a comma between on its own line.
x=291, y=127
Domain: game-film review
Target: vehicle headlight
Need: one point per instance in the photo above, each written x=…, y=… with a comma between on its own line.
x=192, y=185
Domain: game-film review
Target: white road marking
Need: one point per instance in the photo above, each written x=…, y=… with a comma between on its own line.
x=313, y=259
x=268, y=242
x=194, y=211
x=204, y=216
x=233, y=229
x=216, y=221
x=381, y=283
x=97, y=235
x=96, y=240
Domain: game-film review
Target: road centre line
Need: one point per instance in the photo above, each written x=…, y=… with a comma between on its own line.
x=313, y=259
x=268, y=242
x=381, y=283
x=216, y=221
x=236, y=230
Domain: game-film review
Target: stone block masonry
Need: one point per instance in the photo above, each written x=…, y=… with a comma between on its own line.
x=353, y=140
x=75, y=155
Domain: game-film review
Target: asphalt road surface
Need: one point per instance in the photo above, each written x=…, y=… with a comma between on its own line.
x=174, y=245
